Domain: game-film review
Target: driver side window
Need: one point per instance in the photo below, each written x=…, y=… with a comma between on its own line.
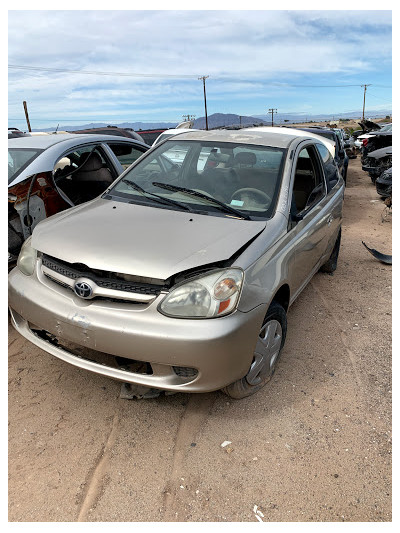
x=309, y=186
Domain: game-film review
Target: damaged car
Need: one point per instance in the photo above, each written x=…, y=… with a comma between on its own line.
x=180, y=275
x=377, y=162
x=367, y=128
x=50, y=173
x=381, y=139
x=384, y=183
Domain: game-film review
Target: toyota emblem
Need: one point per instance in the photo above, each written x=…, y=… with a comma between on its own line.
x=83, y=289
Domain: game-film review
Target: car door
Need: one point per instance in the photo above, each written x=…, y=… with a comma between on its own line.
x=310, y=215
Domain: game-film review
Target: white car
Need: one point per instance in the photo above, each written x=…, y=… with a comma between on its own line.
x=169, y=133
x=292, y=131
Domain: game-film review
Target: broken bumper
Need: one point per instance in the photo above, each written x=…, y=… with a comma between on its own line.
x=219, y=351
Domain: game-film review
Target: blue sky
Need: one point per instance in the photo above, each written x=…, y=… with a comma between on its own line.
x=255, y=60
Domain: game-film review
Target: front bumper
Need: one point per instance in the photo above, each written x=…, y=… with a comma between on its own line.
x=220, y=349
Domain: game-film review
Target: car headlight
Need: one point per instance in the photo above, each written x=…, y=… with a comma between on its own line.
x=207, y=296
x=27, y=258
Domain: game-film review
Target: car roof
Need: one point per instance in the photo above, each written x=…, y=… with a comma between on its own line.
x=294, y=133
x=52, y=146
x=247, y=136
x=41, y=142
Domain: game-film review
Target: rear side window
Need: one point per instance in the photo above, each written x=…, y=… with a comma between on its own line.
x=19, y=159
x=330, y=168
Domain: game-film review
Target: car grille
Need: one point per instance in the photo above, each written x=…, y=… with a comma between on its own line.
x=104, y=279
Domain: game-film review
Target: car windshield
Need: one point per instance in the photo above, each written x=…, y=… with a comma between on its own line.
x=19, y=159
x=387, y=127
x=207, y=177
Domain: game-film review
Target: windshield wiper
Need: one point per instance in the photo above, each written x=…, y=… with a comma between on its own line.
x=159, y=199
x=223, y=207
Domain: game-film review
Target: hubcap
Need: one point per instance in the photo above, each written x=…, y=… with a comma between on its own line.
x=266, y=352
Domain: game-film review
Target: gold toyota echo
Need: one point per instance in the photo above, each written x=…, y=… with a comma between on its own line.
x=179, y=276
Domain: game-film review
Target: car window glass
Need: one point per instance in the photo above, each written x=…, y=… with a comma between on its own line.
x=126, y=153
x=308, y=187
x=19, y=159
x=245, y=177
x=329, y=166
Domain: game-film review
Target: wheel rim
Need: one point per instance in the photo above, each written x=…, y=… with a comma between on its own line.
x=266, y=352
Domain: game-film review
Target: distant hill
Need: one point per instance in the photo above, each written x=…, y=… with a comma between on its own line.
x=218, y=120
x=137, y=126
x=282, y=118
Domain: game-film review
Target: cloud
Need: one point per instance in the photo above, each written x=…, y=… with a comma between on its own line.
x=253, y=47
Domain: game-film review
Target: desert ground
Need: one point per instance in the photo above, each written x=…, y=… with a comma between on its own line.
x=313, y=446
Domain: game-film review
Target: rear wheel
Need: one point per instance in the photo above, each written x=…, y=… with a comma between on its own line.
x=271, y=340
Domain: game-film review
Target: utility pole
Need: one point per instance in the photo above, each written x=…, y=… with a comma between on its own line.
x=27, y=116
x=271, y=110
x=365, y=90
x=205, y=99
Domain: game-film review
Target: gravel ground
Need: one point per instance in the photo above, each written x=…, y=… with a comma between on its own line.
x=313, y=446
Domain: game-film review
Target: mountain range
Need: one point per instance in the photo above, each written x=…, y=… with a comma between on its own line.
x=218, y=120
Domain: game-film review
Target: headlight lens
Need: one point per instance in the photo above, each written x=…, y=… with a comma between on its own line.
x=208, y=296
x=27, y=258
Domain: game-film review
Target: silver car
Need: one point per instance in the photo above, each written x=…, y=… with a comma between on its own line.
x=51, y=172
x=179, y=276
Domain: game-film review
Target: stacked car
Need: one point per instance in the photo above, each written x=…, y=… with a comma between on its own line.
x=376, y=159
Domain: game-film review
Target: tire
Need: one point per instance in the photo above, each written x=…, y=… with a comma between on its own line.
x=266, y=355
x=330, y=266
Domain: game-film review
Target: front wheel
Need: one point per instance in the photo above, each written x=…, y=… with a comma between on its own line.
x=271, y=340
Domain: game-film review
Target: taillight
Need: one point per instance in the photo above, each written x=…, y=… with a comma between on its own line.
x=365, y=142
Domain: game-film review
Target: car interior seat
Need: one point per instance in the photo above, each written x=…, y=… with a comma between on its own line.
x=304, y=182
x=86, y=181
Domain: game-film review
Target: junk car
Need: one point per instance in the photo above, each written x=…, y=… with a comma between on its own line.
x=384, y=183
x=50, y=173
x=377, y=162
x=180, y=275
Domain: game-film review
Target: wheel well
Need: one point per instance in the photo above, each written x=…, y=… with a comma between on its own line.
x=283, y=296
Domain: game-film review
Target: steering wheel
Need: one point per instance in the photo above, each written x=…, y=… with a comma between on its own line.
x=257, y=192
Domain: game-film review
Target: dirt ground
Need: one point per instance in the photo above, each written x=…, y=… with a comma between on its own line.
x=313, y=445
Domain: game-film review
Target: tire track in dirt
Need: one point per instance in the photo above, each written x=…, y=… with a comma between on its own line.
x=350, y=353
x=96, y=482
x=193, y=419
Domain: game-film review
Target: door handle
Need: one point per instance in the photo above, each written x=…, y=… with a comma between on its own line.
x=330, y=220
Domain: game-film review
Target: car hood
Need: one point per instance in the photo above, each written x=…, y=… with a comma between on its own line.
x=141, y=240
